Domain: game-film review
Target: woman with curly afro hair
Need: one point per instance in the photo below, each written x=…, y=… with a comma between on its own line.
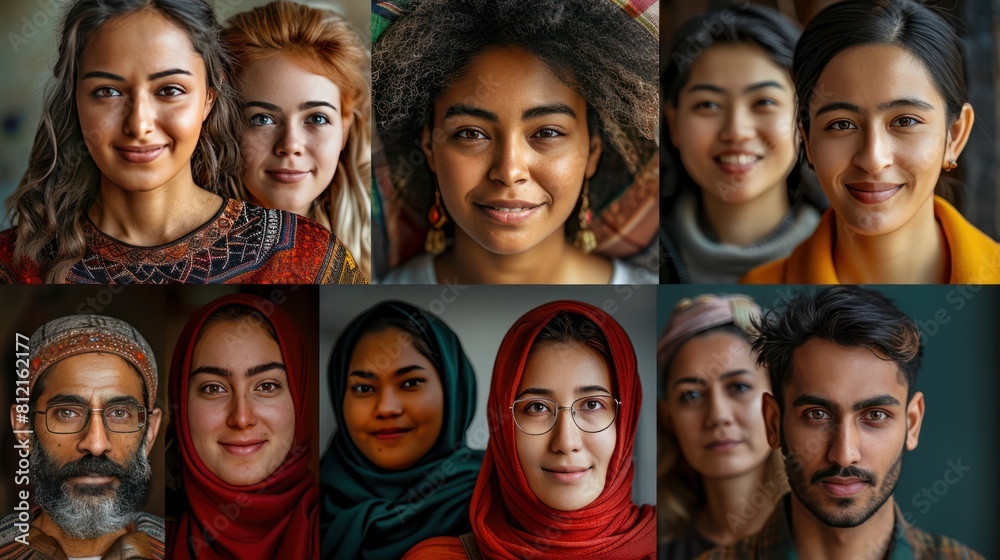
x=531, y=119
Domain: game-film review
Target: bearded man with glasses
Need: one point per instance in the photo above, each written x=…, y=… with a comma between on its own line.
x=92, y=419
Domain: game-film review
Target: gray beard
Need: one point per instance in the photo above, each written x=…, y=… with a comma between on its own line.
x=91, y=511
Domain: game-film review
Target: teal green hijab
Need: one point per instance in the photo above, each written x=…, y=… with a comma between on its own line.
x=370, y=512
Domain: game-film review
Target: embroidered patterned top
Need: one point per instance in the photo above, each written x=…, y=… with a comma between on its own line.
x=243, y=244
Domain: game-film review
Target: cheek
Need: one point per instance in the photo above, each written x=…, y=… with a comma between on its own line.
x=778, y=132
x=256, y=144
x=688, y=423
x=605, y=444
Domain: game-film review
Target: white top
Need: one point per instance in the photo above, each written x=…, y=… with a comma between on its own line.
x=420, y=270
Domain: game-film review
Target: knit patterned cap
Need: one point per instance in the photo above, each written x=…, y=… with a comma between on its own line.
x=80, y=334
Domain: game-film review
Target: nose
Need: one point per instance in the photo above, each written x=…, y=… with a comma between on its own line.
x=388, y=405
x=720, y=410
x=290, y=142
x=95, y=436
x=738, y=126
x=566, y=436
x=241, y=413
x=875, y=154
x=844, y=450
x=140, y=117
x=510, y=165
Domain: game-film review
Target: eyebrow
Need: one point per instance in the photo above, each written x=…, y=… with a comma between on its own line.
x=223, y=372
x=77, y=399
x=698, y=381
x=748, y=89
x=302, y=107
x=882, y=107
x=117, y=78
x=546, y=110
x=461, y=109
x=469, y=111
x=370, y=376
x=582, y=390
x=878, y=400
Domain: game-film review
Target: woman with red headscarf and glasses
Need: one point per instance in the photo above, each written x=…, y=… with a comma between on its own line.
x=244, y=429
x=557, y=478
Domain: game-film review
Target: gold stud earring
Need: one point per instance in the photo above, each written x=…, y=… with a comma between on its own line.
x=585, y=239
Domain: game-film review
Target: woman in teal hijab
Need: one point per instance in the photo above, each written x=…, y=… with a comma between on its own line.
x=398, y=470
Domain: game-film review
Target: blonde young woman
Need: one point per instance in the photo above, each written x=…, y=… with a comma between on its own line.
x=719, y=479
x=303, y=77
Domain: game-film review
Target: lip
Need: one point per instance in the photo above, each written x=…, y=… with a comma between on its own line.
x=567, y=475
x=140, y=154
x=92, y=479
x=508, y=212
x=843, y=487
x=737, y=162
x=723, y=444
x=390, y=433
x=873, y=193
x=241, y=448
x=287, y=176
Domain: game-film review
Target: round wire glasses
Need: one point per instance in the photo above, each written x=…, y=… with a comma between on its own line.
x=536, y=416
x=73, y=418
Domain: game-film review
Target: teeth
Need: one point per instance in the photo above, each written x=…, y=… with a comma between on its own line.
x=509, y=209
x=742, y=159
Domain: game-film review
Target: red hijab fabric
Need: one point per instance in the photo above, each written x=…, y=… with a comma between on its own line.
x=508, y=520
x=275, y=518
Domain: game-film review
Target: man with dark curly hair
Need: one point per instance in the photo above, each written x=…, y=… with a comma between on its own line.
x=845, y=407
x=513, y=107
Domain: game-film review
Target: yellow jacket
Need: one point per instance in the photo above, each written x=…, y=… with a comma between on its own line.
x=975, y=257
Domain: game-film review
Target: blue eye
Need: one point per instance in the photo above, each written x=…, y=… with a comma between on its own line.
x=318, y=119
x=690, y=396
x=262, y=119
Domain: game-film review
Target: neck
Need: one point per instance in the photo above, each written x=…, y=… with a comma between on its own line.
x=154, y=217
x=869, y=541
x=72, y=546
x=916, y=253
x=552, y=261
x=730, y=511
x=746, y=223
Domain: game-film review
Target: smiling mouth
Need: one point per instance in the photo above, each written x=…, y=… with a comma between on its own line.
x=144, y=154
x=287, y=175
x=567, y=476
x=243, y=448
x=391, y=433
x=722, y=445
x=873, y=193
x=509, y=213
x=737, y=164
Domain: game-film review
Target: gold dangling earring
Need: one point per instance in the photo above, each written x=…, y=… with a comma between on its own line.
x=435, y=243
x=585, y=239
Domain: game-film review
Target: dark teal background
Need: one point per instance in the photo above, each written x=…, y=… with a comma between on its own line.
x=960, y=330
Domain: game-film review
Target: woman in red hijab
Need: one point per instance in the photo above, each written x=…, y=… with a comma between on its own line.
x=244, y=432
x=557, y=478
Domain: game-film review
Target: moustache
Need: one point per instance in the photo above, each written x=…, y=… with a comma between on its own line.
x=91, y=465
x=844, y=472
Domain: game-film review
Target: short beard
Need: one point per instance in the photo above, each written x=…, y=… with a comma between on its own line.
x=89, y=512
x=846, y=513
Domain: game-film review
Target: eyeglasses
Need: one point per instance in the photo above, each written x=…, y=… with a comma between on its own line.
x=73, y=418
x=591, y=414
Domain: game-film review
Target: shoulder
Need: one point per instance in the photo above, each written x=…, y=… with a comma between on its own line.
x=770, y=273
x=418, y=270
x=623, y=272
x=926, y=545
x=437, y=548
x=975, y=256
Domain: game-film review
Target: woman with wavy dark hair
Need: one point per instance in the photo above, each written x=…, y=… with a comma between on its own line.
x=531, y=118
x=135, y=157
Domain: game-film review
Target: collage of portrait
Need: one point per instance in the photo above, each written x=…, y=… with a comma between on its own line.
x=615, y=279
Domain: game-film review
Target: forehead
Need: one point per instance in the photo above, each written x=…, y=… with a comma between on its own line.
x=95, y=376
x=733, y=67
x=235, y=341
x=869, y=75
x=562, y=368
x=509, y=78
x=710, y=355
x=842, y=374
x=385, y=348
x=144, y=40
x=282, y=77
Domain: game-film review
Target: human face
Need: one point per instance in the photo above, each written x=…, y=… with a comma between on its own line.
x=713, y=407
x=566, y=467
x=142, y=95
x=295, y=135
x=240, y=410
x=394, y=403
x=734, y=123
x=95, y=471
x=878, y=138
x=846, y=422
x=510, y=146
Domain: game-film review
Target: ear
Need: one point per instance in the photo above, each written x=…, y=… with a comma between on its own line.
x=805, y=142
x=153, y=421
x=914, y=418
x=958, y=134
x=427, y=145
x=663, y=415
x=671, y=113
x=595, y=155
x=772, y=420
x=209, y=103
